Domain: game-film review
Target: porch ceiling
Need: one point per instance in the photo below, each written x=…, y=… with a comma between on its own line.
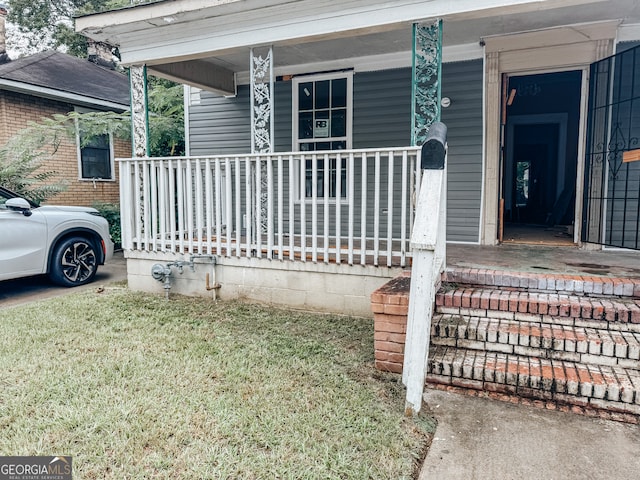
x=173, y=34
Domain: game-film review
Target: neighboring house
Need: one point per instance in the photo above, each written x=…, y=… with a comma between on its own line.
x=519, y=83
x=48, y=83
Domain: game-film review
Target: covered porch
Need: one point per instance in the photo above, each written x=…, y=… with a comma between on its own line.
x=255, y=70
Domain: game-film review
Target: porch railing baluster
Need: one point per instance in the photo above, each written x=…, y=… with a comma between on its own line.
x=363, y=211
x=199, y=207
x=269, y=198
x=303, y=209
x=390, y=193
x=338, y=195
x=248, y=218
x=218, y=206
x=314, y=208
x=258, y=203
x=172, y=205
x=376, y=211
x=154, y=205
x=292, y=213
x=208, y=203
x=228, y=204
x=238, y=208
x=181, y=212
x=190, y=201
x=325, y=205
x=126, y=192
x=280, y=198
x=350, y=201
x=163, y=206
x=403, y=212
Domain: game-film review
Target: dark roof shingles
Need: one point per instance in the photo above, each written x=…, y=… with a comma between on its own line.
x=62, y=72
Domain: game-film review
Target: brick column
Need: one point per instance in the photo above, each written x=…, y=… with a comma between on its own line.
x=390, y=305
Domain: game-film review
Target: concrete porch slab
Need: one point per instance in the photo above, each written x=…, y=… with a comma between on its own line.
x=541, y=259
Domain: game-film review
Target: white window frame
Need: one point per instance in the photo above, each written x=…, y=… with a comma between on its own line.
x=79, y=153
x=348, y=138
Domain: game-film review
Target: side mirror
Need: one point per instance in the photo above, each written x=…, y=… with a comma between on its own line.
x=19, y=205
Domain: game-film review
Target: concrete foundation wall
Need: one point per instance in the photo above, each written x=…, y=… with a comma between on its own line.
x=331, y=288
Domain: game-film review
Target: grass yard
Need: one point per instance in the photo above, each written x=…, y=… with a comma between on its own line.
x=134, y=386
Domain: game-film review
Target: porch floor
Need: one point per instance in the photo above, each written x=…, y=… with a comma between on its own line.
x=546, y=259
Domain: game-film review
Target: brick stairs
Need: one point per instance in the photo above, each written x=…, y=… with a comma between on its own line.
x=570, y=342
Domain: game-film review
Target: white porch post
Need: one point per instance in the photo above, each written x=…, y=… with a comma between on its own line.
x=132, y=182
x=139, y=111
x=429, y=229
x=262, y=124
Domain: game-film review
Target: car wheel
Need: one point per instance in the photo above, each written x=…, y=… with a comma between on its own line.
x=74, y=262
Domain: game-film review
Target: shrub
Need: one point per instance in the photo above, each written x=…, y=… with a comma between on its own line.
x=111, y=211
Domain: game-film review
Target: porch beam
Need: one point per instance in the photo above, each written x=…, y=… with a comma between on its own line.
x=198, y=73
x=150, y=38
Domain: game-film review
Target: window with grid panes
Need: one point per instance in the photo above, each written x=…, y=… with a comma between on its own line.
x=324, y=123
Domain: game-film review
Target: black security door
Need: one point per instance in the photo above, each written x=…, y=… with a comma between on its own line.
x=611, y=213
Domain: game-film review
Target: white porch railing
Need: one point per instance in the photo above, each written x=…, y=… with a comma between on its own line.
x=347, y=206
x=428, y=243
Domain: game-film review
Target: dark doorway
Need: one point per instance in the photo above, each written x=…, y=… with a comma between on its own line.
x=540, y=157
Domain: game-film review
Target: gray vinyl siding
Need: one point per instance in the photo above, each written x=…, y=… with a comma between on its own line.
x=462, y=83
x=382, y=109
x=381, y=118
x=221, y=125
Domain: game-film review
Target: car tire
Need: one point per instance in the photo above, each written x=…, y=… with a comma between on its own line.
x=74, y=262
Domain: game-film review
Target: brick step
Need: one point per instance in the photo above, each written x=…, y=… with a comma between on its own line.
x=597, y=346
x=533, y=306
x=611, y=388
x=545, y=282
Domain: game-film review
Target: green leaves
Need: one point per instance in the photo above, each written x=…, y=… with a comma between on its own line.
x=166, y=119
x=48, y=24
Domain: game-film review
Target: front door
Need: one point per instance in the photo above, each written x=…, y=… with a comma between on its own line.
x=540, y=157
x=611, y=213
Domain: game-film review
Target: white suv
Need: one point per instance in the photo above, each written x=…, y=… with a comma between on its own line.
x=66, y=243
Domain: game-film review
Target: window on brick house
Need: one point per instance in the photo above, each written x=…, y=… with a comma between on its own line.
x=95, y=157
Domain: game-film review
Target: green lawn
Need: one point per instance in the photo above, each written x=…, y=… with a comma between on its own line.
x=134, y=386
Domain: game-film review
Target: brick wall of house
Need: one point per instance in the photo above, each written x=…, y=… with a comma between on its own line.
x=17, y=110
